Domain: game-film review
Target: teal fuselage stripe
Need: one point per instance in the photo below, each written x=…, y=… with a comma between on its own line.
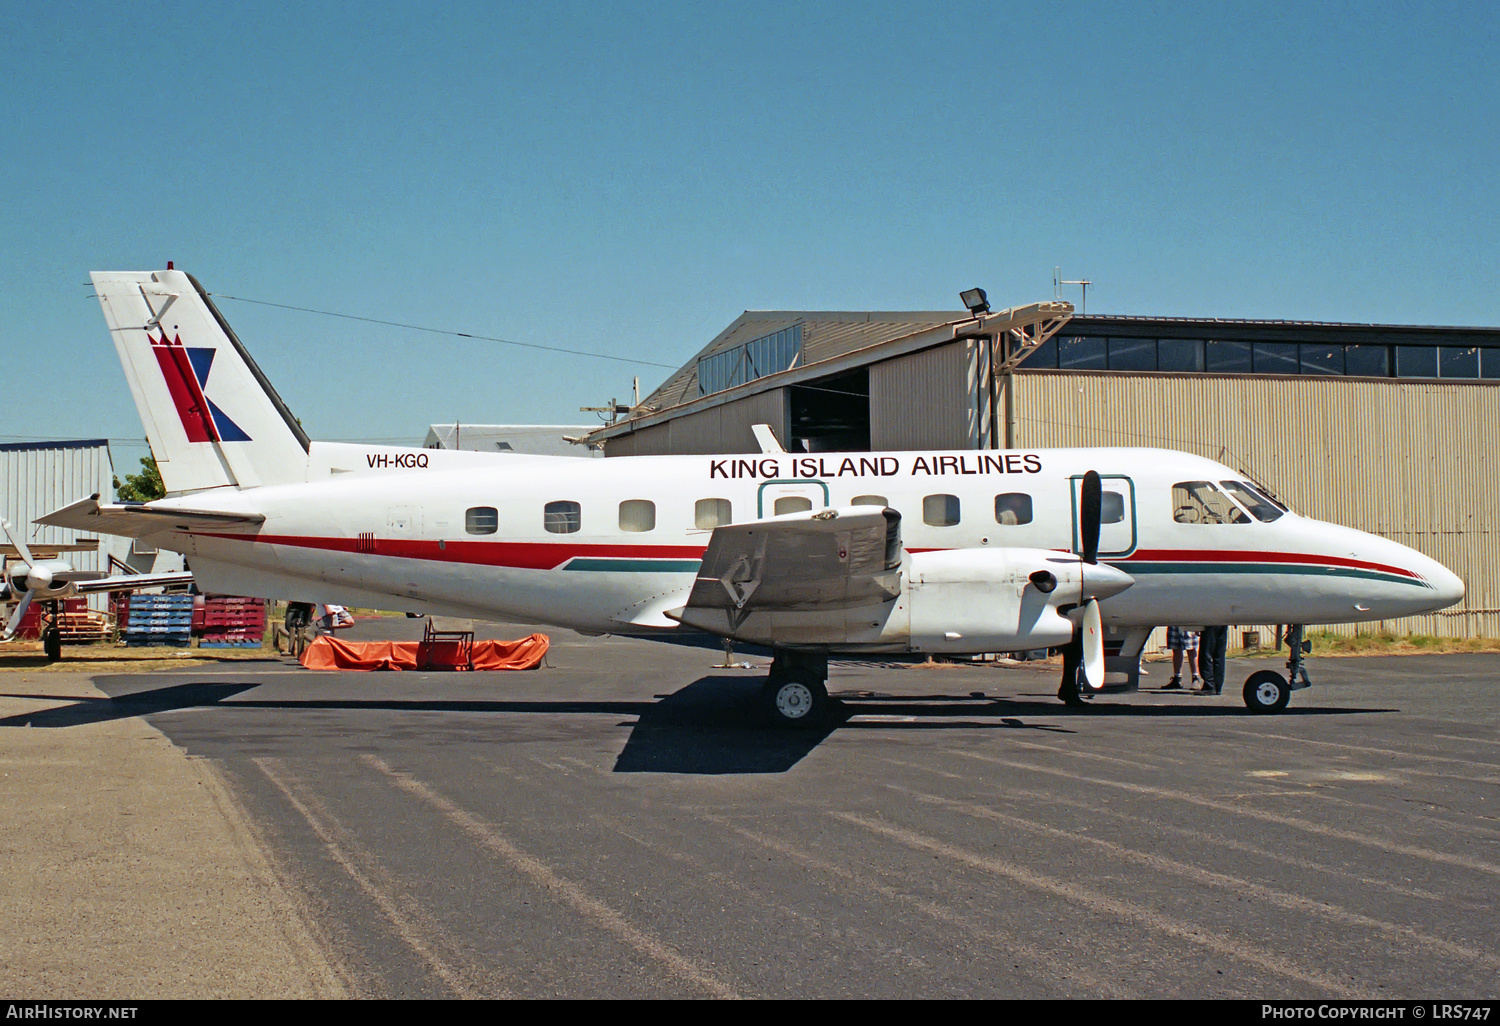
x=613, y=565
x=1131, y=567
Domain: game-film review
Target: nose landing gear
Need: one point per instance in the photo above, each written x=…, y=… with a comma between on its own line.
x=1267, y=691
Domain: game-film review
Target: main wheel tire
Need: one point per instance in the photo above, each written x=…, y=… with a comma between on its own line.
x=795, y=702
x=1267, y=691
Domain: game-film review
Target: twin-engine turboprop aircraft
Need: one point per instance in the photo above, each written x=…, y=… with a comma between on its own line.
x=909, y=552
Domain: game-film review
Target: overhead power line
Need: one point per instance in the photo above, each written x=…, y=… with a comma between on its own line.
x=455, y=334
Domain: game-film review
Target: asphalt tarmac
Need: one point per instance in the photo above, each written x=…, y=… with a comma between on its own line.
x=618, y=824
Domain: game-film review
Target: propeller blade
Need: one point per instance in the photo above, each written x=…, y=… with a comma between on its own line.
x=1092, y=632
x=18, y=542
x=1090, y=500
x=15, y=617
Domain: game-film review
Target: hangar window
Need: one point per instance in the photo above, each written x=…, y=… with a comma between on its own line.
x=755, y=359
x=711, y=513
x=1224, y=357
x=791, y=504
x=637, y=515
x=1132, y=354
x=1013, y=508
x=1489, y=363
x=1458, y=361
x=940, y=510
x=1199, y=502
x=1367, y=361
x=1183, y=355
x=869, y=500
x=1082, y=353
x=563, y=517
x=1275, y=357
x=481, y=520
x=1416, y=362
x=1322, y=359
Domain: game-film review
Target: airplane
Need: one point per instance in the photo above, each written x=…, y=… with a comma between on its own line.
x=811, y=555
x=51, y=580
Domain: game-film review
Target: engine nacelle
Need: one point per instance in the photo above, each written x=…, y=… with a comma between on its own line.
x=985, y=600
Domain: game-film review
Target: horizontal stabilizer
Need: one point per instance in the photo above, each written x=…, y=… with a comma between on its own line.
x=133, y=521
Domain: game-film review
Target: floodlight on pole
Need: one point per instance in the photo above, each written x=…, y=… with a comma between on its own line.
x=975, y=301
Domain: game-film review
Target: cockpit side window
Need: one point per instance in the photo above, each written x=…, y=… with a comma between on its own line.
x=1199, y=502
x=1259, y=506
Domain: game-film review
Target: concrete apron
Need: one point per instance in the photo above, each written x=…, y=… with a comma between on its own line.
x=128, y=870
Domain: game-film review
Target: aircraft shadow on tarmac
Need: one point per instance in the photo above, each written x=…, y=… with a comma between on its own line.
x=711, y=726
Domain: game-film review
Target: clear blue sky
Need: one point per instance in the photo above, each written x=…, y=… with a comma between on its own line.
x=628, y=177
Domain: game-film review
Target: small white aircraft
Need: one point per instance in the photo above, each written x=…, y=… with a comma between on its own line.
x=51, y=580
x=807, y=555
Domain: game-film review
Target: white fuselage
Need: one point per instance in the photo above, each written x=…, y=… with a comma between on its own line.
x=606, y=545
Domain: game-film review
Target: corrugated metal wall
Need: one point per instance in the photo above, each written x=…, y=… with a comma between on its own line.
x=925, y=400
x=1411, y=461
x=720, y=429
x=36, y=479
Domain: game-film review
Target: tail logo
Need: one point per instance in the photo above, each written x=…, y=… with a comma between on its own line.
x=186, y=372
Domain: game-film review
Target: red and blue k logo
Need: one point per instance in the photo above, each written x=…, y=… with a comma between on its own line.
x=186, y=370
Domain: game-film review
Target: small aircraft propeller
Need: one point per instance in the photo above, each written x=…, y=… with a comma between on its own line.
x=1087, y=647
x=43, y=577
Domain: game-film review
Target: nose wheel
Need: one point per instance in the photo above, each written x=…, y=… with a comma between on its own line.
x=1267, y=691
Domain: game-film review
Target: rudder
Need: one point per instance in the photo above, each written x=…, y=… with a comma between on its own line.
x=212, y=418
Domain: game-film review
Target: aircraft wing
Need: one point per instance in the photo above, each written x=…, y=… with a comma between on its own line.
x=825, y=560
x=133, y=521
x=51, y=550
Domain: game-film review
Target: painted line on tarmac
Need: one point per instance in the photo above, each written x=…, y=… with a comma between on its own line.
x=1210, y=878
x=1233, y=844
x=1401, y=753
x=555, y=885
x=1382, y=844
x=1097, y=902
x=348, y=853
x=1093, y=984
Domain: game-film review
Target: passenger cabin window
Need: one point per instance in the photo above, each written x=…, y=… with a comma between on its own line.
x=562, y=517
x=869, y=500
x=481, y=520
x=940, y=510
x=637, y=515
x=1199, y=502
x=1260, y=507
x=1013, y=508
x=791, y=504
x=711, y=513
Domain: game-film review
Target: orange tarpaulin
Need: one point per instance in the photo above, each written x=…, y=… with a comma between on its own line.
x=329, y=653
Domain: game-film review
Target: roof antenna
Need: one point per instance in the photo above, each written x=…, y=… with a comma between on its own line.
x=1058, y=282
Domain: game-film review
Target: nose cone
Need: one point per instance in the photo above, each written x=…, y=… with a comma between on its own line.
x=1100, y=580
x=1447, y=585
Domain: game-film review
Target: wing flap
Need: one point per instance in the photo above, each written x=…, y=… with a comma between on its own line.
x=831, y=559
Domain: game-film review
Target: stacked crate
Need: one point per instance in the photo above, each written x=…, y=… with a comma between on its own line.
x=158, y=620
x=231, y=621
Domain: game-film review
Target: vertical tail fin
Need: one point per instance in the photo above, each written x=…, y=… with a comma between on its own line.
x=212, y=418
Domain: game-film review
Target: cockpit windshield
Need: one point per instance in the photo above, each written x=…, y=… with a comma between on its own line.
x=1199, y=502
x=1260, y=507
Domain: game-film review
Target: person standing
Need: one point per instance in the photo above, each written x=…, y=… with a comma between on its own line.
x=1182, y=642
x=1212, y=646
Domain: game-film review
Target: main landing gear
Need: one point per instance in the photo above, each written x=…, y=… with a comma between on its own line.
x=1267, y=691
x=795, y=693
